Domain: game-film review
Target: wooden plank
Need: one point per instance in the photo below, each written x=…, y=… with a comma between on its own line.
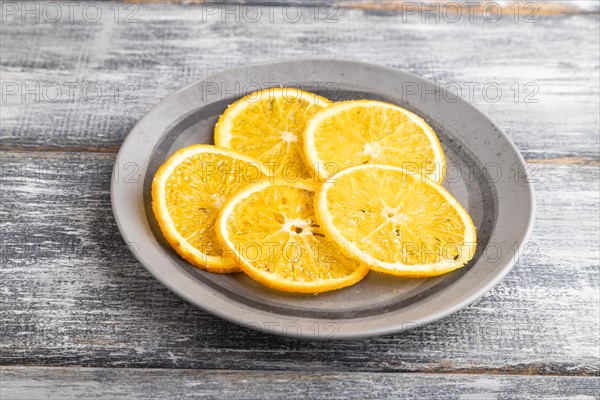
x=73, y=295
x=546, y=70
x=28, y=383
x=544, y=7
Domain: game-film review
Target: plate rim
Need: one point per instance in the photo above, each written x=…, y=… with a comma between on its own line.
x=501, y=270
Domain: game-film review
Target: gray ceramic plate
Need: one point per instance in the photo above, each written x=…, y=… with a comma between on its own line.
x=486, y=173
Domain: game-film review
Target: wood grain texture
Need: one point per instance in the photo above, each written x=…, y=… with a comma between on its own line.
x=96, y=383
x=73, y=295
x=543, y=7
x=136, y=54
x=81, y=318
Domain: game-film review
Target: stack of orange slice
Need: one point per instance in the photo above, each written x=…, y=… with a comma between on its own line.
x=306, y=195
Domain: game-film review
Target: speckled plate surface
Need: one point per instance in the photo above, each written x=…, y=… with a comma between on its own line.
x=485, y=172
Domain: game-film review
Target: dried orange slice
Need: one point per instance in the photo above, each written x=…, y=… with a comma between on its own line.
x=187, y=193
x=268, y=125
x=395, y=221
x=271, y=229
x=371, y=132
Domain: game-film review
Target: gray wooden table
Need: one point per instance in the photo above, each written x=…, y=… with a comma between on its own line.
x=81, y=318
